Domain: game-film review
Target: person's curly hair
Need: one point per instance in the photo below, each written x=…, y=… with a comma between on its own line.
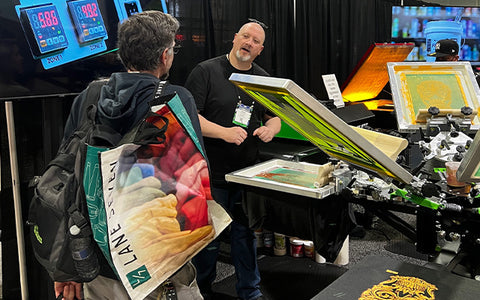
x=143, y=37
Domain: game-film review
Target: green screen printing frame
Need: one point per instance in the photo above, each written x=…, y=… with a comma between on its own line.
x=319, y=125
x=420, y=85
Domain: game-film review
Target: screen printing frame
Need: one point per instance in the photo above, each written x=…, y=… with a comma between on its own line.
x=249, y=176
x=370, y=75
x=319, y=125
x=437, y=81
x=469, y=169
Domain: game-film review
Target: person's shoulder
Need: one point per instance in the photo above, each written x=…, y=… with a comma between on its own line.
x=257, y=70
x=180, y=90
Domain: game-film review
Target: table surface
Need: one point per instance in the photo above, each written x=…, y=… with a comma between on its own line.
x=380, y=275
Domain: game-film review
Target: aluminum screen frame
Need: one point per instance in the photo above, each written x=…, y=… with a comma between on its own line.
x=438, y=80
x=319, y=125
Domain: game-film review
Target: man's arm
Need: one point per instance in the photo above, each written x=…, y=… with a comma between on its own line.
x=267, y=132
x=234, y=135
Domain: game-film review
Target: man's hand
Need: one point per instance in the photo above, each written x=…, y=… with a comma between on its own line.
x=265, y=133
x=235, y=135
x=71, y=290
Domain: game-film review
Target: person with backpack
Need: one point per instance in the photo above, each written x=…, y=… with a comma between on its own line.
x=146, y=47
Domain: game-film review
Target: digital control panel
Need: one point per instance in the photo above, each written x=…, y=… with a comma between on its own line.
x=63, y=31
x=87, y=19
x=126, y=8
x=43, y=28
x=131, y=8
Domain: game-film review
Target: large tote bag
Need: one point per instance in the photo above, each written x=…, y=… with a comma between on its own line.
x=159, y=209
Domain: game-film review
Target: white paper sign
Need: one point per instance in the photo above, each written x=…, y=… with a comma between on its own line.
x=333, y=89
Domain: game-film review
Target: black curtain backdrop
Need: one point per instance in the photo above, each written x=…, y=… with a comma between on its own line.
x=208, y=28
x=325, y=36
x=334, y=35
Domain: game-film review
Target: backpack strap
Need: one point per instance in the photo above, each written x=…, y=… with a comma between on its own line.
x=91, y=98
x=79, y=220
x=158, y=98
x=144, y=133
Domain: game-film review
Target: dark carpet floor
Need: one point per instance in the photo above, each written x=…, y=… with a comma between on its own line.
x=286, y=277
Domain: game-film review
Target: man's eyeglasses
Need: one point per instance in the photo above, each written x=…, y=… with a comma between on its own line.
x=264, y=26
x=176, y=48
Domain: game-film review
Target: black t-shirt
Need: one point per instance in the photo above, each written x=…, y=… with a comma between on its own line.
x=216, y=99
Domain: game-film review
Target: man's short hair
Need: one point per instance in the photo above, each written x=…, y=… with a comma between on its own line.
x=143, y=37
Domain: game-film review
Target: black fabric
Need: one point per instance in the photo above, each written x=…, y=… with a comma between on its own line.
x=337, y=33
x=376, y=269
x=285, y=277
x=303, y=41
x=326, y=222
x=216, y=99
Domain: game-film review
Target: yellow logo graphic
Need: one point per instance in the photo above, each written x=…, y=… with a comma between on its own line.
x=401, y=287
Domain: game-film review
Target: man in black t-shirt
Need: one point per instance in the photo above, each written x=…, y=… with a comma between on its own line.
x=232, y=125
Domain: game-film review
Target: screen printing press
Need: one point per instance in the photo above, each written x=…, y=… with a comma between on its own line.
x=373, y=169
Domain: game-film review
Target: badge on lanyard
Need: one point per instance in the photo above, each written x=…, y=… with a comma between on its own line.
x=242, y=115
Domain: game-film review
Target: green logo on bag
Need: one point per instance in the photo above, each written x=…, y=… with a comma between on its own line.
x=138, y=276
x=37, y=234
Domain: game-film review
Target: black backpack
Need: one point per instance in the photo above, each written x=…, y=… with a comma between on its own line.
x=58, y=211
x=61, y=234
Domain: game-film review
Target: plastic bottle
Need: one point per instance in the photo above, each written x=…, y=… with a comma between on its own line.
x=430, y=11
x=464, y=28
x=422, y=51
x=395, y=28
x=470, y=29
x=454, y=11
x=448, y=11
x=395, y=10
x=467, y=53
x=422, y=11
x=413, y=28
x=83, y=254
x=414, y=54
x=424, y=25
x=405, y=32
x=468, y=11
x=475, y=11
x=413, y=11
x=475, y=53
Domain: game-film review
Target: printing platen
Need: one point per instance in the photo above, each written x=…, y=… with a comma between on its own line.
x=319, y=125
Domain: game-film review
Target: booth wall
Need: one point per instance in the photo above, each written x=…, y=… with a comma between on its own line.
x=303, y=42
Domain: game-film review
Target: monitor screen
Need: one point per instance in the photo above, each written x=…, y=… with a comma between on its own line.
x=56, y=47
x=411, y=24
